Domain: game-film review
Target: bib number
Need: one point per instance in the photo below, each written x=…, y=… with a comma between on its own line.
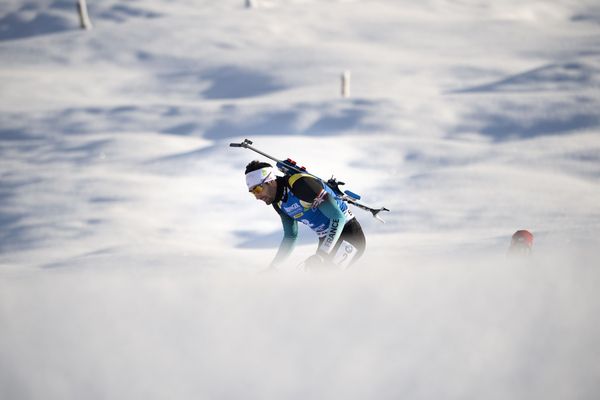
x=344, y=255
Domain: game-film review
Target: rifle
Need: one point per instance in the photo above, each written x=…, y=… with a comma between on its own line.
x=290, y=167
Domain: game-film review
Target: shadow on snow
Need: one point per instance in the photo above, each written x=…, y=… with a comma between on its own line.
x=509, y=120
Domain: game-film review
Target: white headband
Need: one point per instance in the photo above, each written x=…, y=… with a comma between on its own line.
x=260, y=176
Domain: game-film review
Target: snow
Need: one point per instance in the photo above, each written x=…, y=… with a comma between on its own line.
x=130, y=252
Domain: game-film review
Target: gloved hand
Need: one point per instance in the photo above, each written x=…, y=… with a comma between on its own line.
x=316, y=262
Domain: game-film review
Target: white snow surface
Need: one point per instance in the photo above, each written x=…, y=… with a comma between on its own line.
x=131, y=253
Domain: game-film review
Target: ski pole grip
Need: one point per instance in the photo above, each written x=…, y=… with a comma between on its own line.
x=235, y=145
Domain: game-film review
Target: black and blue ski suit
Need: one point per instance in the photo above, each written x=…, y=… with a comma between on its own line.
x=303, y=198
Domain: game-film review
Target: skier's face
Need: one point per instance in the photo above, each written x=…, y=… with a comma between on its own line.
x=267, y=194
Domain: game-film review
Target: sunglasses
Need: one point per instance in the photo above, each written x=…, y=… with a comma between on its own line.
x=257, y=189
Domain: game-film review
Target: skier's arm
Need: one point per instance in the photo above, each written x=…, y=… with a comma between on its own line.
x=337, y=220
x=290, y=233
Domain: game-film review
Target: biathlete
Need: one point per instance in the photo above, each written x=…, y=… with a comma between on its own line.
x=303, y=198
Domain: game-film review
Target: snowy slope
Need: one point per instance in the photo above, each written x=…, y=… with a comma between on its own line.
x=129, y=247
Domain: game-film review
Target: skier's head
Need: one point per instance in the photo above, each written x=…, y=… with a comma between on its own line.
x=521, y=242
x=261, y=181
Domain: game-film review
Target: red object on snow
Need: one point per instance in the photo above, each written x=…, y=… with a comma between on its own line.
x=522, y=241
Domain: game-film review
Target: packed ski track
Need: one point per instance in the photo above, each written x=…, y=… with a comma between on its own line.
x=131, y=254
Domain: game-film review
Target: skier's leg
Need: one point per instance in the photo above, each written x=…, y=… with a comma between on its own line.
x=350, y=246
